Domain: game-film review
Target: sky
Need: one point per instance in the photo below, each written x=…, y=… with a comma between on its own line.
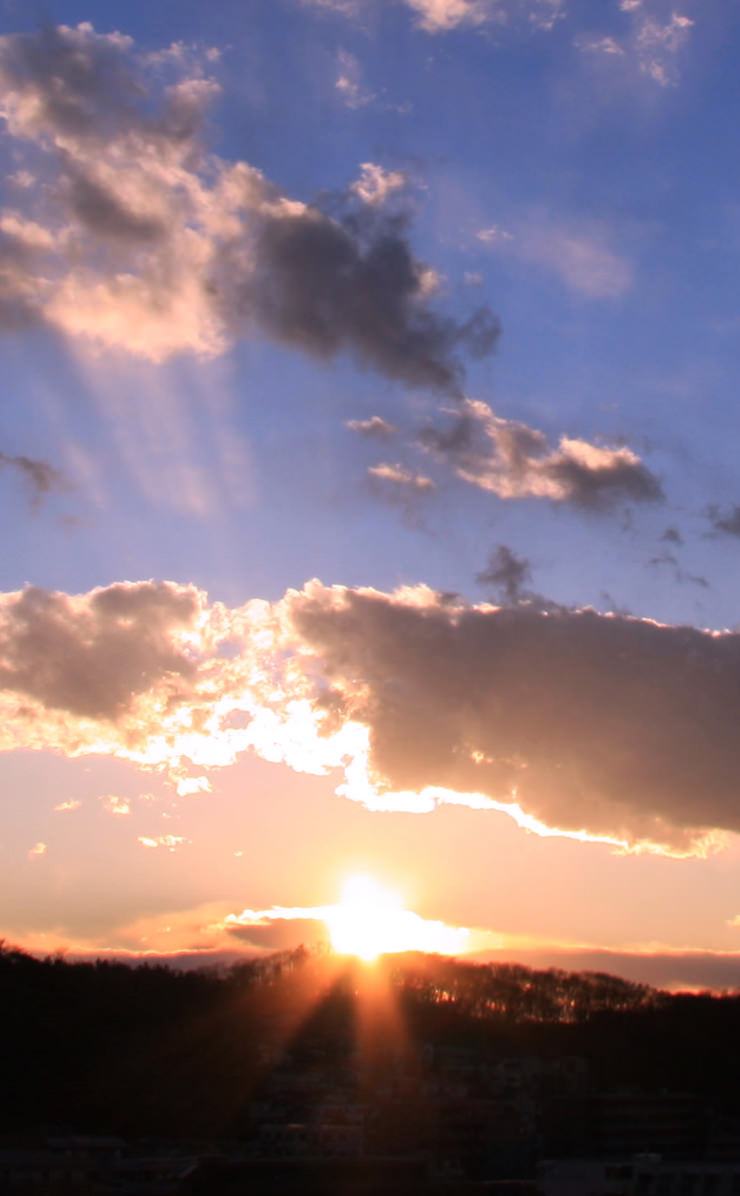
x=368, y=455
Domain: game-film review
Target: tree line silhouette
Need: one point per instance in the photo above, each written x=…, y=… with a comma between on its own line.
x=106, y=1047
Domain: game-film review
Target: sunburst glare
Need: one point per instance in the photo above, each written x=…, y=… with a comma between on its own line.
x=370, y=921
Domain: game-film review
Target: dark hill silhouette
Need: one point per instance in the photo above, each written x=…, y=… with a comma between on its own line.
x=107, y=1047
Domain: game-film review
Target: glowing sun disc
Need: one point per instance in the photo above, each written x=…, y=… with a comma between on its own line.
x=370, y=921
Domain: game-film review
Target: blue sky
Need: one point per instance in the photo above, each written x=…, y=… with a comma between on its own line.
x=434, y=301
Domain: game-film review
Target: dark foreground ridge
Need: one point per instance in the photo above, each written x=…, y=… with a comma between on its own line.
x=471, y=1072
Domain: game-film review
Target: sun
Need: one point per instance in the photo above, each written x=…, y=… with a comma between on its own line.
x=365, y=922
x=370, y=921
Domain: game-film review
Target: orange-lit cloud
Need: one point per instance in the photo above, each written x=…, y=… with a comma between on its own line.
x=169, y=842
x=119, y=806
x=67, y=807
x=600, y=727
x=368, y=921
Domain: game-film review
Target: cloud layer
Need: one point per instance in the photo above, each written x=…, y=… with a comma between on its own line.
x=596, y=725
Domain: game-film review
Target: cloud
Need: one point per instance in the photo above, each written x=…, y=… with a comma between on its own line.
x=506, y=573
x=672, y=535
x=616, y=726
x=374, y=427
x=326, y=286
x=40, y=477
x=594, y=44
x=399, y=475
x=66, y=807
x=439, y=16
x=375, y=184
x=90, y=657
x=442, y=16
x=169, y=842
x=119, y=806
x=394, y=929
x=349, y=81
x=596, y=726
x=38, y=849
x=347, y=8
x=139, y=240
x=657, y=46
x=652, y=46
x=679, y=575
x=513, y=460
x=727, y=522
x=494, y=235
x=581, y=255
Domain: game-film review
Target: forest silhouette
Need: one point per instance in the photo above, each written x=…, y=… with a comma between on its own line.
x=150, y=1050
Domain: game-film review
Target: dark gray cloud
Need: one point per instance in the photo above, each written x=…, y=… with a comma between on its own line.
x=101, y=211
x=90, y=658
x=329, y=284
x=672, y=535
x=507, y=574
x=681, y=576
x=40, y=477
x=600, y=723
x=513, y=460
x=279, y=933
x=598, y=484
x=726, y=522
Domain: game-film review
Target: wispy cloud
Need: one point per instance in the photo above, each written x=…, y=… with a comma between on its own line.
x=651, y=45
x=657, y=45
x=400, y=475
x=168, y=842
x=725, y=522
x=581, y=255
x=40, y=477
x=444, y=16
x=349, y=83
x=374, y=427
x=596, y=44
